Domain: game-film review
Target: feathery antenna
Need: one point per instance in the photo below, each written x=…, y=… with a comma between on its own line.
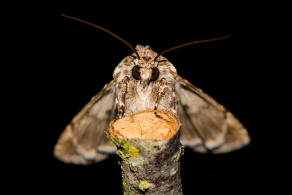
x=190, y=43
x=103, y=29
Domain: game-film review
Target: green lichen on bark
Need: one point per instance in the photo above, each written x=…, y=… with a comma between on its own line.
x=128, y=147
x=178, y=156
x=143, y=185
x=133, y=151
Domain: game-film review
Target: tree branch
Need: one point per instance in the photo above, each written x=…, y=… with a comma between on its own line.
x=149, y=148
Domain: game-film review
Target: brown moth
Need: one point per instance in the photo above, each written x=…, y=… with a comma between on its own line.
x=147, y=80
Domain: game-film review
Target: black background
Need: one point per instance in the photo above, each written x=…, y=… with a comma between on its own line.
x=74, y=61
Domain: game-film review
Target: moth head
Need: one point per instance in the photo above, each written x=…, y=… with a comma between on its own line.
x=145, y=74
x=143, y=67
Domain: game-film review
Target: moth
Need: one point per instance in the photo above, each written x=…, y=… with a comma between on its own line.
x=148, y=80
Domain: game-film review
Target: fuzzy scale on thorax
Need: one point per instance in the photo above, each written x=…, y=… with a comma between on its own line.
x=137, y=97
x=142, y=99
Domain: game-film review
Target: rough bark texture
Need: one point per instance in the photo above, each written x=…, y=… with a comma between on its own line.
x=150, y=166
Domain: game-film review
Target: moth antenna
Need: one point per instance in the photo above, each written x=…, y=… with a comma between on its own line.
x=103, y=29
x=190, y=43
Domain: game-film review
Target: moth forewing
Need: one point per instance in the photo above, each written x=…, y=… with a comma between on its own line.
x=83, y=140
x=236, y=136
x=219, y=130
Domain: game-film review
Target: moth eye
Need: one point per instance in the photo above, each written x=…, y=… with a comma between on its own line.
x=155, y=74
x=136, y=72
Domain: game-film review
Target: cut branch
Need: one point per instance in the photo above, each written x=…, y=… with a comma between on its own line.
x=149, y=147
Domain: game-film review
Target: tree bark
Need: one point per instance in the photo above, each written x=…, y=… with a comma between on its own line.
x=150, y=158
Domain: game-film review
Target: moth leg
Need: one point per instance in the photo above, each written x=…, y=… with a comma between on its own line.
x=122, y=98
x=161, y=91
